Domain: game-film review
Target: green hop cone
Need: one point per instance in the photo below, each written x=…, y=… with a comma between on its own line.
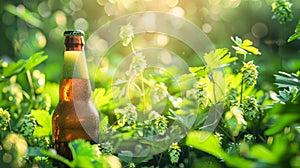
x=126, y=34
x=174, y=153
x=250, y=108
x=282, y=11
x=28, y=125
x=249, y=73
x=106, y=148
x=201, y=91
x=4, y=119
x=161, y=125
x=126, y=116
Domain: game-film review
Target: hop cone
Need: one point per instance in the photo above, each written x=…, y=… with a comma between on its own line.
x=249, y=73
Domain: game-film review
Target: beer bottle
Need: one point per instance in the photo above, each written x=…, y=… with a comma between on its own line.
x=75, y=117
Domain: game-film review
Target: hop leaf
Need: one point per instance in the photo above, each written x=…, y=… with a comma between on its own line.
x=249, y=73
x=126, y=34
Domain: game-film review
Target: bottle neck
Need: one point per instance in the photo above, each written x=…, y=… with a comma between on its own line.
x=75, y=84
x=75, y=65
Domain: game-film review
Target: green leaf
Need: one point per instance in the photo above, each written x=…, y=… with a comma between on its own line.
x=205, y=141
x=35, y=60
x=206, y=162
x=262, y=153
x=244, y=47
x=86, y=155
x=43, y=119
x=218, y=58
x=13, y=68
x=284, y=121
x=23, y=14
x=284, y=80
x=199, y=71
x=296, y=35
x=101, y=97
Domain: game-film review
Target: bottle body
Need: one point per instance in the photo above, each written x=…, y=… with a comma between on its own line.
x=74, y=119
x=75, y=116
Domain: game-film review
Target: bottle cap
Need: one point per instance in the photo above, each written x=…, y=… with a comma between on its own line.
x=74, y=33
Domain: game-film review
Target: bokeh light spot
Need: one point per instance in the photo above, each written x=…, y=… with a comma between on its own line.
x=44, y=9
x=81, y=24
x=172, y=3
x=259, y=30
x=177, y=11
x=41, y=39
x=7, y=158
x=110, y=9
x=166, y=57
x=214, y=2
x=97, y=44
x=162, y=40
x=76, y=5
x=207, y=28
x=60, y=18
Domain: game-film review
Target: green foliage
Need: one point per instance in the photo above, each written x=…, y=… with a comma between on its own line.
x=15, y=68
x=253, y=131
x=84, y=155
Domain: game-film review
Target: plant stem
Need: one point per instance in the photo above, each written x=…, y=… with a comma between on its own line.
x=242, y=90
x=28, y=74
x=144, y=96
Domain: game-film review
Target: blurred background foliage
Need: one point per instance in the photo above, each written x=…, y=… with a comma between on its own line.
x=37, y=25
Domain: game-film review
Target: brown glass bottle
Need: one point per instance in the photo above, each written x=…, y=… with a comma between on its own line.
x=75, y=117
